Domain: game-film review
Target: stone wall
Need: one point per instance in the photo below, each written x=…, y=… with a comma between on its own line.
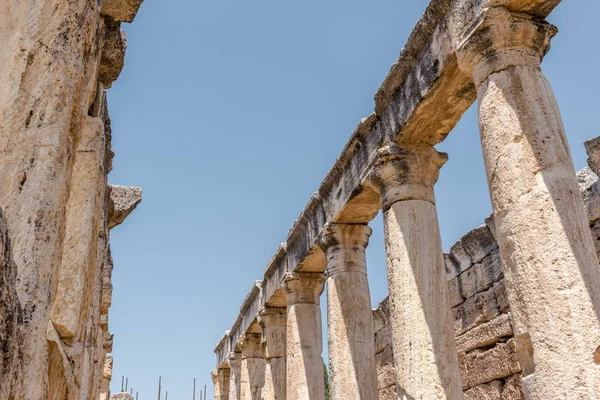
x=490, y=368
x=56, y=60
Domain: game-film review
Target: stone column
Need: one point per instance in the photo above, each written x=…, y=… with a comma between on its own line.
x=220, y=378
x=422, y=335
x=235, y=365
x=273, y=323
x=304, y=339
x=253, y=366
x=551, y=269
x=349, y=315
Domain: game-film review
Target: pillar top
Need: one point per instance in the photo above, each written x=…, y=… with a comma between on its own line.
x=214, y=375
x=500, y=38
x=406, y=172
x=234, y=360
x=303, y=287
x=345, y=235
x=272, y=316
x=250, y=345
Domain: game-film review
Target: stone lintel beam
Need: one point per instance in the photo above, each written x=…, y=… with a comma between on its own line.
x=222, y=350
x=250, y=308
x=121, y=10
x=125, y=200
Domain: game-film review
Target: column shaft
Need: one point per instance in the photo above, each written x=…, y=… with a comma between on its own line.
x=551, y=269
x=349, y=315
x=304, y=339
x=253, y=367
x=235, y=374
x=273, y=323
x=422, y=336
x=220, y=379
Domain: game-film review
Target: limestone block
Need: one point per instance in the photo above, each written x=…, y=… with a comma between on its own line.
x=481, y=276
x=589, y=185
x=108, y=341
x=596, y=236
x=385, y=357
x=386, y=376
x=457, y=261
x=513, y=388
x=490, y=222
x=125, y=200
x=388, y=393
x=480, y=308
x=121, y=10
x=485, y=334
x=383, y=338
x=113, y=53
x=455, y=297
x=479, y=367
x=592, y=147
x=381, y=315
x=478, y=243
x=121, y=396
x=487, y=391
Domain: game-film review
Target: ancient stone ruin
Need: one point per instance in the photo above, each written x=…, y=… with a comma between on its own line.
x=511, y=312
x=56, y=60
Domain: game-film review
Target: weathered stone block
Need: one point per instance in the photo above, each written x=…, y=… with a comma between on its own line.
x=454, y=296
x=113, y=53
x=385, y=357
x=487, y=391
x=478, y=243
x=125, y=200
x=589, y=185
x=386, y=376
x=383, y=338
x=457, y=261
x=388, y=393
x=480, y=276
x=479, y=367
x=485, y=334
x=592, y=147
x=121, y=10
x=480, y=308
x=513, y=388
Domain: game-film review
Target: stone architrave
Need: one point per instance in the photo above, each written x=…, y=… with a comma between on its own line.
x=252, y=379
x=551, y=268
x=273, y=323
x=220, y=378
x=349, y=315
x=422, y=336
x=304, y=338
x=234, y=360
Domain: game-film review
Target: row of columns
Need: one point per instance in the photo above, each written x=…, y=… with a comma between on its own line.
x=549, y=261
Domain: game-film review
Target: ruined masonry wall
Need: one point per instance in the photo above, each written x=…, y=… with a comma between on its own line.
x=57, y=207
x=489, y=365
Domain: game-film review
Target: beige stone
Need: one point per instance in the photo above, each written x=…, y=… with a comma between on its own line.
x=423, y=343
x=125, y=200
x=121, y=10
x=220, y=380
x=252, y=379
x=353, y=373
x=234, y=361
x=304, y=341
x=551, y=269
x=273, y=321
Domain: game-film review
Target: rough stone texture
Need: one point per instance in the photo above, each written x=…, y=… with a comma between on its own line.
x=113, y=53
x=125, y=200
x=422, y=339
x=121, y=10
x=11, y=321
x=55, y=156
x=121, y=396
x=353, y=373
x=304, y=341
x=273, y=322
x=551, y=268
x=592, y=148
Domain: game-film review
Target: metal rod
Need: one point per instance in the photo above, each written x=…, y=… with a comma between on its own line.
x=204, y=392
x=159, y=378
x=194, y=396
x=167, y=396
x=126, y=383
x=136, y=395
x=122, y=383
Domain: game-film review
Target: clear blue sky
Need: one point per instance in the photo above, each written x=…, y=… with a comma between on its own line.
x=229, y=114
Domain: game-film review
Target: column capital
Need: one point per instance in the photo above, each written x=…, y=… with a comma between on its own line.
x=250, y=345
x=272, y=316
x=273, y=321
x=345, y=235
x=406, y=172
x=234, y=360
x=303, y=287
x=499, y=39
x=214, y=374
